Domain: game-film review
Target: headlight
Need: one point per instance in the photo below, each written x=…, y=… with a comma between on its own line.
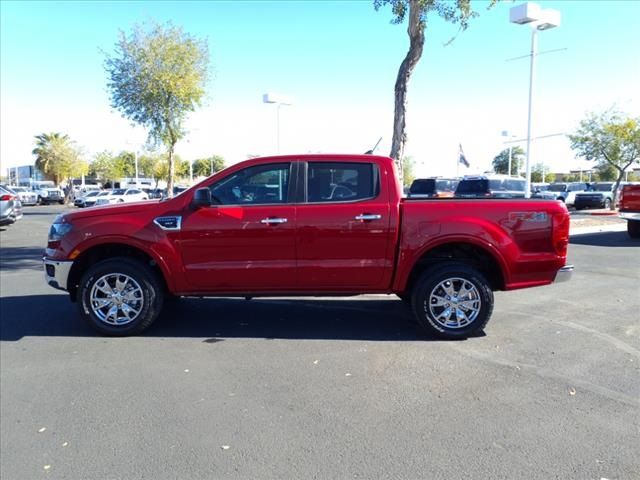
x=58, y=229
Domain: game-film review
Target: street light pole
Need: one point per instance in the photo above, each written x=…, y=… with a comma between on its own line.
x=534, y=52
x=279, y=100
x=531, y=14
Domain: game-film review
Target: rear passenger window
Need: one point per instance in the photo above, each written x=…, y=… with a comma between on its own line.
x=341, y=182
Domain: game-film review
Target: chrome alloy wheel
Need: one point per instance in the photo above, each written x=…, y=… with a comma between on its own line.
x=116, y=299
x=454, y=303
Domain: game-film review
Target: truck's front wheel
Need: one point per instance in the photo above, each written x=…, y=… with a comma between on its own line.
x=452, y=300
x=633, y=228
x=120, y=297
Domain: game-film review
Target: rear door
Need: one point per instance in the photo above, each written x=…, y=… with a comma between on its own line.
x=343, y=227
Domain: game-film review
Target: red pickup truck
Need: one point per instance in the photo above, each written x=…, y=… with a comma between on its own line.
x=312, y=225
x=630, y=209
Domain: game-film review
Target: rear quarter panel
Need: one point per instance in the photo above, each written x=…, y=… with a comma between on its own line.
x=516, y=233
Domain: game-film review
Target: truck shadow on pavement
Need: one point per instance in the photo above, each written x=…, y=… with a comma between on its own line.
x=213, y=320
x=604, y=239
x=17, y=258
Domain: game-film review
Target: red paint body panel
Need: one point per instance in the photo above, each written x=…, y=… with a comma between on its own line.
x=321, y=248
x=227, y=248
x=630, y=198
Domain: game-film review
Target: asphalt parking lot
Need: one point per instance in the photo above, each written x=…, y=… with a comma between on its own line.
x=331, y=388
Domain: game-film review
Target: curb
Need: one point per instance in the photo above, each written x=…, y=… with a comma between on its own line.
x=614, y=227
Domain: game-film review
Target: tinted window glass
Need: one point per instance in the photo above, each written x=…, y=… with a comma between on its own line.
x=261, y=184
x=479, y=186
x=424, y=187
x=340, y=182
x=558, y=187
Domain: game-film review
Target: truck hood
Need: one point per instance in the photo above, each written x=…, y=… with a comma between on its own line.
x=117, y=209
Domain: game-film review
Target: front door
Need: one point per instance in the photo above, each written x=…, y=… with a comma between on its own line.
x=246, y=241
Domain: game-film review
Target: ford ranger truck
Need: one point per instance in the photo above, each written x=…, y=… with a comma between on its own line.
x=306, y=225
x=630, y=209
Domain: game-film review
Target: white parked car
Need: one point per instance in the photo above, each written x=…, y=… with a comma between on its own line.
x=26, y=196
x=122, y=195
x=48, y=192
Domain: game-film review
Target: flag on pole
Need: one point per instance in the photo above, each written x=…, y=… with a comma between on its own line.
x=462, y=159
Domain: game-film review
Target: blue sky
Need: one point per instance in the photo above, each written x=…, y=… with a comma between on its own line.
x=338, y=60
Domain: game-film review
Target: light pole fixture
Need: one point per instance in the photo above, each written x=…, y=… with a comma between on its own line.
x=531, y=14
x=279, y=100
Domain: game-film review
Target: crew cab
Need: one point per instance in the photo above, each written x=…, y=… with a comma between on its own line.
x=630, y=209
x=308, y=225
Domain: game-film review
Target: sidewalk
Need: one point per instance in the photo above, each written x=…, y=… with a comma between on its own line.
x=594, y=221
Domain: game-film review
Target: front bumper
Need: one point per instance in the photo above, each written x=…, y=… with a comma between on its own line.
x=564, y=274
x=56, y=272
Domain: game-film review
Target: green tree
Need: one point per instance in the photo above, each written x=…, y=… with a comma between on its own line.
x=147, y=164
x=43, y=151
x=204, y=167
x=155, y=79
x=407, y=168
x=541, y=173
x=58, y=157
x=418, y=11
x=501, y=161
x=604, y=172
x=610, y=137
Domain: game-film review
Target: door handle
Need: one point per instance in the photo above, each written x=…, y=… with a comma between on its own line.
x=367, y=217
x=273, y=221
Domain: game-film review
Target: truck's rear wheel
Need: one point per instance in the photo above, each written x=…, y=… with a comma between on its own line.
x=633, y=228
x=452, y=300
x=120, y=297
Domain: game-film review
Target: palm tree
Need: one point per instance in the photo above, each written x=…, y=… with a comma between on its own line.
x=44, y=143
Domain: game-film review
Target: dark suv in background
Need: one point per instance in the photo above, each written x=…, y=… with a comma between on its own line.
x=433, y=187
x=491, y=187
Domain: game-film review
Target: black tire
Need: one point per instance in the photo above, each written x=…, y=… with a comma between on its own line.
x=633, y=228
x=40, y=202
x=607, y=203
x=432, y=281
x=61, y=202
x=148, y=285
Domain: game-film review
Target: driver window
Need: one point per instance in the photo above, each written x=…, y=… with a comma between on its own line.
x=259, y=185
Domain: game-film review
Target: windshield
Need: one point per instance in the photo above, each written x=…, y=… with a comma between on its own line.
x=92, y=194
x=602, y=187
x=104, y=194
x=558, y=187
x=19, y=189
x=118, y=191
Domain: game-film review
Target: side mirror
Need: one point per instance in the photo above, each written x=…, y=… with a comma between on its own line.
x=201, y=198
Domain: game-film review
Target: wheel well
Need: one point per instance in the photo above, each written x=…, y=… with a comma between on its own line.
x=466, y=253
x=103, y=252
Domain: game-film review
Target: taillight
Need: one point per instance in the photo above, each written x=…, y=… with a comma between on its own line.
x=6, y=198
x=560, y=233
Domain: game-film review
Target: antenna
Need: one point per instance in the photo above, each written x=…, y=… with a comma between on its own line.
x=370, y=152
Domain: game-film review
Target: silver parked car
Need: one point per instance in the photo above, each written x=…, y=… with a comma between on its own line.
x=26, y=196
x=10, y=207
